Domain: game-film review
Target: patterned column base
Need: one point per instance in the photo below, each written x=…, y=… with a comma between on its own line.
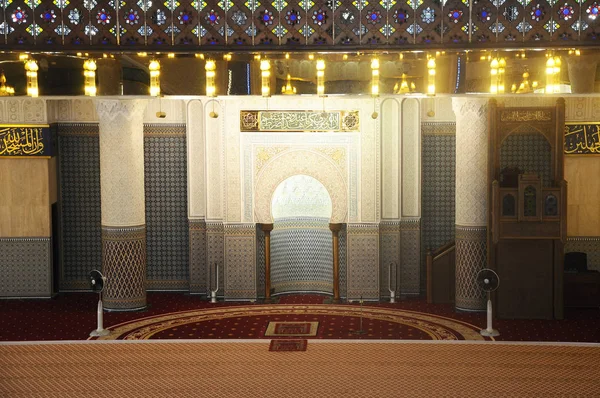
x=471, y=256
x=124, y=265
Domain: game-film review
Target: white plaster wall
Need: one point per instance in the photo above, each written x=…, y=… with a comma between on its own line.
x=390, y=158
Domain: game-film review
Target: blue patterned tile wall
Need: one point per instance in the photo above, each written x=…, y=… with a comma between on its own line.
x=167, y=240
x=301, y=253
x=79, y=179
x=438, y=192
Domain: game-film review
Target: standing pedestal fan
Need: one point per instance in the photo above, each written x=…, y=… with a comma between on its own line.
x=97, y=281
x=488, y=281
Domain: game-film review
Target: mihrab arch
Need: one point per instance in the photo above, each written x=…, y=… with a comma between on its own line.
x=294, y=162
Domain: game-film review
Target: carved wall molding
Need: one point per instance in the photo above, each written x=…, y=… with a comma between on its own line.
x=304, y=162
x=196, y=151
x=15, y=110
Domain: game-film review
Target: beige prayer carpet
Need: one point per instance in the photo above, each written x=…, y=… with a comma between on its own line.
x=292, y=329
x=326, y=369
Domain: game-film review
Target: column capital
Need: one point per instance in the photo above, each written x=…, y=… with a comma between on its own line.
x=582, y=73
x=465, y=105
x=335, y=227
x=266, y=227
x=110, y=109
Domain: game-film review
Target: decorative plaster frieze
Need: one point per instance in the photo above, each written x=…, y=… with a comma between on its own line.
x=290, y=163
x=25, y=110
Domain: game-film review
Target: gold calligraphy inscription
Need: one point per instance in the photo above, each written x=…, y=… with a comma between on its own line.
x=582, y=138
x=295, y=121
x=525, y=116
x=21, y=140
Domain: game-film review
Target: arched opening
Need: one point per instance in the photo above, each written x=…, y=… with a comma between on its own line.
x=301, y=241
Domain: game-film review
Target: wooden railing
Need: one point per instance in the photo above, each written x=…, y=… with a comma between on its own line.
x=440, y=274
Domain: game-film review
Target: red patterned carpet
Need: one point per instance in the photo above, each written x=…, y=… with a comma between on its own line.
x=72, y=317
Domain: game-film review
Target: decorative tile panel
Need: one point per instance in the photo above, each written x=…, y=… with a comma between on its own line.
x=79, y=185
x=389, y=248
x=471, y=257
x=261, y=261
x=586, y=244
x=26, y=267
x=197, y=255
x=214, y=256
x=165, y=176
x=438, y=192
x=343, y=259
x=240, y=262
x=363, y=261
x=410, y=254
x=301, y=255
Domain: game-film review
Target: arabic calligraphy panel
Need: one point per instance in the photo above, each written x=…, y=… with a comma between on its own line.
x=27, y=140
x=582, y=138
x=278, y=121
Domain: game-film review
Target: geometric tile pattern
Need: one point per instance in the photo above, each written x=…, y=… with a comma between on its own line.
x=410, y=255
x=240, y=262
x=471, y=257
x=301, y=255
x=79, y=186
x=586, y=244
x=25, y=267
x=343, y=260
x=363, y=261
x=471, y=160
x=438, y=165
x=389, y=253
x=124, y=265
x=197, y=256
x=214, y=256
x=531, y=153
x=165, y=175
x=260, y=260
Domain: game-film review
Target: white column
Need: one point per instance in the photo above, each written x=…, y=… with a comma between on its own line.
x=123, y=202
x=471, y=199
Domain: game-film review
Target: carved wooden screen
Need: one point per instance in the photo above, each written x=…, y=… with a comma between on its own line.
x=180, y=25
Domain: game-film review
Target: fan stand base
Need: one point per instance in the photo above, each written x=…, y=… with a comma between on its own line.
x=489, y=332
x=99, y=333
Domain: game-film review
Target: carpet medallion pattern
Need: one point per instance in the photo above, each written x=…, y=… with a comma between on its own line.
x=333, y=321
